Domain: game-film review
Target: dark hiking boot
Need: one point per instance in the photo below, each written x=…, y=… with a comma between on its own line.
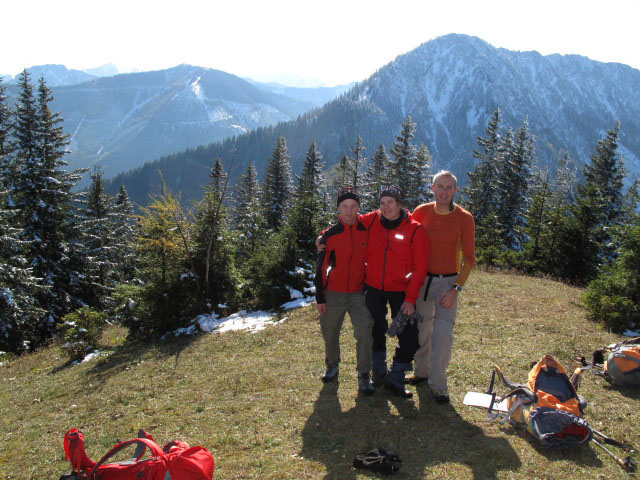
x=415, y=380
x=330, y=375
x=379, y=377
x=398, y=391
x=364, y=384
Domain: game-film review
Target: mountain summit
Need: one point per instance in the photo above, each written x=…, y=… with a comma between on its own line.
x=450, y=86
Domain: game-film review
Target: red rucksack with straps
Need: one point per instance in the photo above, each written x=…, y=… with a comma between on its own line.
x=174, y=461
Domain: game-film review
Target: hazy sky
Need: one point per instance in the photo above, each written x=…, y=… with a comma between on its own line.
x=325, y=42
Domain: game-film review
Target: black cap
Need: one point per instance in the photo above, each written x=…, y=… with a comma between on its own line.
x=346, y=193
x=391, y=191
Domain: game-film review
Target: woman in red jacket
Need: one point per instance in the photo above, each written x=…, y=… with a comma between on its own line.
x=397, y=259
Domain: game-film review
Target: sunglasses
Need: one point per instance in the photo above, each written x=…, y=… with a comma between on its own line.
x=390, y=189
x=344, y=190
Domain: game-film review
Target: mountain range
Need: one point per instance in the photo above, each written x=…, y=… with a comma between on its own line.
x=450, y=86
x=122, y=121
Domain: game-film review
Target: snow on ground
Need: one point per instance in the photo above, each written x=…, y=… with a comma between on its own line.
x=242, y=320
x=629, y=333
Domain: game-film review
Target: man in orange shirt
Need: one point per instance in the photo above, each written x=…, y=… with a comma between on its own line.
x=451, y=231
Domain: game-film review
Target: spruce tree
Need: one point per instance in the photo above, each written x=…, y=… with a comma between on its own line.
x=375, y=177
x=588, y=243
x=98, y=242
x=124, y=235
x=6, y=144
x=42, y=194
x=214, y=260
x=420, y=187
x=479, y=194
x=248, y=218
x=354, y=164
x=513, y=185
x=307, y=213
x=402, y=163
x=277, y=186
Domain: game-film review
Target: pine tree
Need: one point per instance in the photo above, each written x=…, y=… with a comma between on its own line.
x=276, y=189
x=214, y=264
x=42, y=193
x=6, y=145
x=513, y=185
x=98, y=242
x=248, y=219
x=19, y=289
x=354, y=164
x=479, y=195
x=307, y=213
x=598, y=208
x=420, y=188
x=402, y=164
x=537, y=219
x=124, y=236
x=375, y=177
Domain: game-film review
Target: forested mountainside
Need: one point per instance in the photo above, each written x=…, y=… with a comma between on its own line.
x=449, y=86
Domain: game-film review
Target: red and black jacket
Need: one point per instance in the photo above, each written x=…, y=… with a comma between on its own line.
x=397, y=258
x=340, y=266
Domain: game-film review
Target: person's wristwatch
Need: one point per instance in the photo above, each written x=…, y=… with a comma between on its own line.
x=457, y=288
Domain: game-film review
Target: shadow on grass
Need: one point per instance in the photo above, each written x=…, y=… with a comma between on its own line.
x=423, y=437
x=632, y=392
x=132, y=352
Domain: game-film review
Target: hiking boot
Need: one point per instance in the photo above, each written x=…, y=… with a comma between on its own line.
x=395, y=379
x=398, y=391
x=379, y=377
x=415, y=380
x=364, y=385
x=330, y=375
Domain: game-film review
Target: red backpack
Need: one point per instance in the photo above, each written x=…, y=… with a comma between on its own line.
x=174, y=461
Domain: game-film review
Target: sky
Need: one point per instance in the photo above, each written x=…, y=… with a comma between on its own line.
x=301, y=42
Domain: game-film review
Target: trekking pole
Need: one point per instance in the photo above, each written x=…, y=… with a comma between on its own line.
x=628, y=464
x=611, y=441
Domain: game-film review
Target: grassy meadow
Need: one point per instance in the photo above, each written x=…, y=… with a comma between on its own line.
x=256, y=402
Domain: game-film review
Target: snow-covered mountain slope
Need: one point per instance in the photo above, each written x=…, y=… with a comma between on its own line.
x=123, y=121
x=450, y=86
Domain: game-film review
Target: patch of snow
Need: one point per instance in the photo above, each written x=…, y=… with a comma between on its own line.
x=195, y=88
x=630, y=333
x=222, y=305
x=91, y=356
x=240, y=127
x=300, y=302
x=295, y=293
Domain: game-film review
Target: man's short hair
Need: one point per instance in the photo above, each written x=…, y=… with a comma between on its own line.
x=446, y=173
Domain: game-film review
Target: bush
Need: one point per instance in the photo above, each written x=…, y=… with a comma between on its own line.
x=271, y=272
x=613, y=298
x=80, y=330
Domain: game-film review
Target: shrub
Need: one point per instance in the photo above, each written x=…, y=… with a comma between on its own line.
x=613, y=298
x=80, y=330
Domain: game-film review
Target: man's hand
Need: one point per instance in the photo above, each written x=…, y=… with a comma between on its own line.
x=448, y=298
x=319, y=246
x=407, y=308
x=322, y=308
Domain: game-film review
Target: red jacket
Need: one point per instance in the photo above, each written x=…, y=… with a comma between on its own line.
x=397, y=259
x=340, y=267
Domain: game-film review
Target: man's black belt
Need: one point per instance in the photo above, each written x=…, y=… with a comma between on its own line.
x=437, y=275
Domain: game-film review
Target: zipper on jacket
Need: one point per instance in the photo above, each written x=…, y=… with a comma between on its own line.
x=350, y=258
x=384, y=259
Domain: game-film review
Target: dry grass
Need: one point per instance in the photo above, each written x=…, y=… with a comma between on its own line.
x=256, y=402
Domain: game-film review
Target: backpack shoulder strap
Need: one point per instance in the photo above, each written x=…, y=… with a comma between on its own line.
x=153, y=447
